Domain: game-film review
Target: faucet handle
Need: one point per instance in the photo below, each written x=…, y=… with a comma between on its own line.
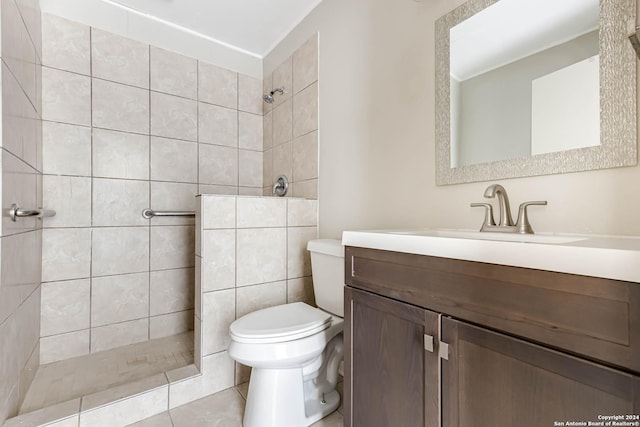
x=523, y=219
x=488, y=214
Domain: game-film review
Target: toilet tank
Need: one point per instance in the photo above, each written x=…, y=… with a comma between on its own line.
x=327, y=268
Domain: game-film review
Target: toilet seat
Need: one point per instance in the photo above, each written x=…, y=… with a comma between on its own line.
x=281, y=323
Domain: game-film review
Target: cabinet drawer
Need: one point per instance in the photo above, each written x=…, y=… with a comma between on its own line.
x=593, y=317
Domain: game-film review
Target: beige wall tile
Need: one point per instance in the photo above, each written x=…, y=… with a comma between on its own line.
x=305, y=64
x=64, y=346
x=218, y=165
x=197, y=304
x=171, y=291
x=119, y=59
x=166, y=325
x=217, y=85
x=66, y=149
x=129, y=410
x=261, y=255
x=267, y=171
x=305, y=157
x=218, y=260
x=18, y=270
x=261, y=212
x=282, y=162
x=66, y=44
x=250, y=191
x=65, y=307
x=173, y=73
x=250, y=131
x=172, y=247
x=217, y=189
x=250, y=168
x=119, y=202
x=20, y=186
x=71, y=199
x=217, y=125
x=119, y=334
x=171, y=196
x=66, y=253
x=218, y=212
x=301, y=290
x=299, y=261
x=283, y=123
x=306, y=189
x=250, y=94
x=256, y=297
x=174, y=160
x=119, y=298
x=267, y=131
x=120, y=107
x=218, y=312
x=119, y=250
x=305, y=111
x=174, y=117
x=283, y=77
x=267, y=86
x=301, y=212
x=217, y=375
x=243, y=373
x=120, y=154
x=66, y=97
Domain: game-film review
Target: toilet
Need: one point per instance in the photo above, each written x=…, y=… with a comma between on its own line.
x=295, y=349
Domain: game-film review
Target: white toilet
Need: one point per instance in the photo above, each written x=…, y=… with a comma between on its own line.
x=295, y=349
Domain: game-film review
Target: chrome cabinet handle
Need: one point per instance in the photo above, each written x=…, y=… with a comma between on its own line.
x=15, y=212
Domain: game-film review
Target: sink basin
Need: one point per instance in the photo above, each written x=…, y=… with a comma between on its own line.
x=503, y=237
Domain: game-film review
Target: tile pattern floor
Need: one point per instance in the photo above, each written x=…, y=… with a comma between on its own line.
x=223, y=409
x=72, y=378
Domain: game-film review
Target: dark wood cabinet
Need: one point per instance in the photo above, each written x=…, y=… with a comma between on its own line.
x=511, y=346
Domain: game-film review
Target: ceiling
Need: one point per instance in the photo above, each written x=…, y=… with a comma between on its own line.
x=251, y=26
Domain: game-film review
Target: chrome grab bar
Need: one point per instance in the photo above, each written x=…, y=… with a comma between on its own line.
x=148, y=213
x=15, y=212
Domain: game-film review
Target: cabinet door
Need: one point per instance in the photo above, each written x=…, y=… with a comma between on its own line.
x=391, y=379
x=491, y=379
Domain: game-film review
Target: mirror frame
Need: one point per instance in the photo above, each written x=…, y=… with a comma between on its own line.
x=618, y=122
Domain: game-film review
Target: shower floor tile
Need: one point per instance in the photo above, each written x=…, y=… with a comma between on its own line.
x=72, y=378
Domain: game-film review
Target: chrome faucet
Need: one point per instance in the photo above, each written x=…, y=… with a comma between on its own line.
x=505, y=223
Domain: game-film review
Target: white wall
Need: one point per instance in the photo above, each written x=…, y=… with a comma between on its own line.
x=377, y=133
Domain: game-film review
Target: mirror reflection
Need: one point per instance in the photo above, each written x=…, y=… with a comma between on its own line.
x=524, y=80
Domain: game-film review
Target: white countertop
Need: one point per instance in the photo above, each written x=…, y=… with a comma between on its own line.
x=612, y=257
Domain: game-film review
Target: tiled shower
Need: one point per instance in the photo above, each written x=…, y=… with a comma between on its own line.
x=127, y=126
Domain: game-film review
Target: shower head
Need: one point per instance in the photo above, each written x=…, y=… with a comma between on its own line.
x=268, y=98
x=635, y=42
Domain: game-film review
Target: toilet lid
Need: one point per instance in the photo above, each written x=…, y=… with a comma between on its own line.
x=280, y=323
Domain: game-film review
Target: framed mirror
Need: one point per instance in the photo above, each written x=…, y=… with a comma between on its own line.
x=533, y=87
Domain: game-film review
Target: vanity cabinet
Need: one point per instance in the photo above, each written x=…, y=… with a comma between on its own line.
x=512, y=346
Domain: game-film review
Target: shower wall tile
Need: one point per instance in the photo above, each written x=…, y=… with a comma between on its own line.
x=119, y=59
x=218, y=312
x=71, y=198
x=299, y=261
x=217, y=189
x=120, y=107
x=250, y=169
x=171, y=196
x=65, y=307
x=301, y=212
x=171, y=291
x=64, y=346
x=282, y=161
x=172, y=247
x=250, y=131
x=217, y=125
x=267, y=86
x=283, y=77
x=260, y=255
x=66, y=253
x=267, y=171
x=261, y=212
x=305, y=64
x=218, y=165
x=174, y=160
x=119, y=250
x=305, y=111
x=282, y=123
x=173, y=73
x=305, y=189
x=20, y=187
x=166, y=325
x=218, y=265
x=305, y=157
x=66, y=97
x=249, y=191
x=120, y=154
x=119, y=298
x=217, y=85
x=267, y=131
x=174, y=117
x=66, y=149
x=119, y=202
x=256, y=297
x=301, y=290
x=250, y=94
x=219, y=212
x=119, y=334
x=65, y=44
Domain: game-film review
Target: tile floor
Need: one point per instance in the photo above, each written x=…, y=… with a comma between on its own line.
x=223, y=409
x=72, y=378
